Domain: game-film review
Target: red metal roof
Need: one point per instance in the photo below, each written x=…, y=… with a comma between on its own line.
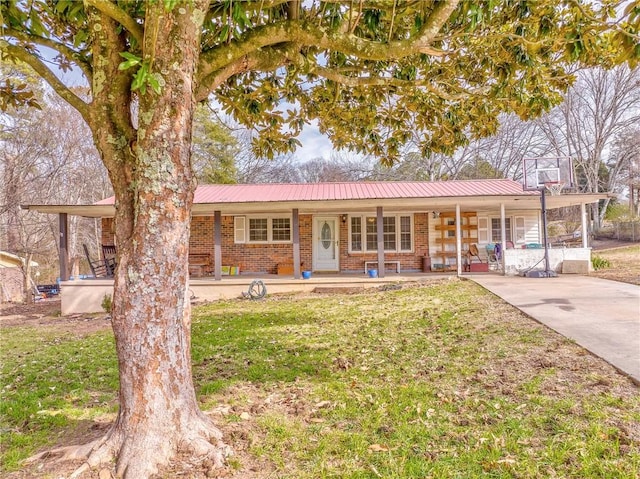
x=264, y=193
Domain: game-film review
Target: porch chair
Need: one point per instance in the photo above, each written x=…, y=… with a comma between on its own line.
x=472, y=253
x=109, y=256
x=494, y=255
x=99, y=268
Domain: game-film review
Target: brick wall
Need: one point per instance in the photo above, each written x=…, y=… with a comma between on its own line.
x=264, y=258
x=108, y=231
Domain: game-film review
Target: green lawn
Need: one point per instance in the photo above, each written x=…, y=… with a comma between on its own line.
x=435, y=381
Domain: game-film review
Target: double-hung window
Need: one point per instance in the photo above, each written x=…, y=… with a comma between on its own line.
x=496, y=230
x=263, y=229
x=397, y=233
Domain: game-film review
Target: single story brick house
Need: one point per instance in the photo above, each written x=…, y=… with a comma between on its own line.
x=351, y=227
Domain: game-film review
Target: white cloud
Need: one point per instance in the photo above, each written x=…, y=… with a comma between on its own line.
x=314, y=144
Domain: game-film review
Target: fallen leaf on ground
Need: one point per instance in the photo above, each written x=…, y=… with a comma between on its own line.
x=378, y=448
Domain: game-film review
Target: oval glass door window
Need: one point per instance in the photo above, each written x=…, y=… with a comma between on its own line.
x=325, y=236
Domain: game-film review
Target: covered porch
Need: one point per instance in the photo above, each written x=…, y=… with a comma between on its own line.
x=86, y=295
x=335, y=232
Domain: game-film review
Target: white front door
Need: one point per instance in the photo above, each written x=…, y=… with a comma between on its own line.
x=326, y=247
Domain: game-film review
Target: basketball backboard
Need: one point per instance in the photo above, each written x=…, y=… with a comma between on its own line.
x=540, y=171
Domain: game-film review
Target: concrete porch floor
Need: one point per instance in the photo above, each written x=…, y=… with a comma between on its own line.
x=207, y=289
x=86, y=295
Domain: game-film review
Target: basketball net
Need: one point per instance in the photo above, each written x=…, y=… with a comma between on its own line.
x=554, y=187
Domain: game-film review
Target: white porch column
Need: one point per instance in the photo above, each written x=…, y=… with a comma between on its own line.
x=503, y=235
x=458, y=241
x=583, y=224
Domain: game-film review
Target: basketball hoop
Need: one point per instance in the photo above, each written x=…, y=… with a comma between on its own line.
x=554, y=187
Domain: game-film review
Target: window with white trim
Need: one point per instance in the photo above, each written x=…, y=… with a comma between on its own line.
x=496, y=230
x=397, y=233
x=356, y=234
x=262, y=229
x=280, y=229
x=258, y=230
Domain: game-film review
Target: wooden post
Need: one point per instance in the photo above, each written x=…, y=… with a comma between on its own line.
x=295, y=220
x=217, y=246
x=458, y=241
x=503, y=236
x=380, y=236
x=63, y=225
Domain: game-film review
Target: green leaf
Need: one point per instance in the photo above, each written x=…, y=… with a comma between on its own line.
x=132, y=60
x=140, y=79
x=154, y=82
x=170, y=4
x=224, y=33
x=130, y=56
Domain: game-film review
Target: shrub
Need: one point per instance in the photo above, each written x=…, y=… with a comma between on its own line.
x=599, y=262
x=106, y=303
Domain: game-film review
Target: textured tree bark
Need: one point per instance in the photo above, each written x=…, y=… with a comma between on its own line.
x=151, y=174
x=151, y=320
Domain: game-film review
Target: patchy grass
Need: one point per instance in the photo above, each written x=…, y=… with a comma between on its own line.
x=437, y=381
x=620, y=264
x=51, y=383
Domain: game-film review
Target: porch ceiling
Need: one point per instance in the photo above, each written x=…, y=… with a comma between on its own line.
x=467, y=203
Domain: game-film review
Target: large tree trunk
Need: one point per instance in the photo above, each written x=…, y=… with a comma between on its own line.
x=151, y=315
x=154, y=187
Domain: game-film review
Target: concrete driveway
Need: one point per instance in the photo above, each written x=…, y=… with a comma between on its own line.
x=600, y=315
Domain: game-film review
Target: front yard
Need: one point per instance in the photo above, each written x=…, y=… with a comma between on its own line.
x=441, y=380
x=623, y=264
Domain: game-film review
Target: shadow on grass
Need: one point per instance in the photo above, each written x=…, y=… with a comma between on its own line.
x=257, y=347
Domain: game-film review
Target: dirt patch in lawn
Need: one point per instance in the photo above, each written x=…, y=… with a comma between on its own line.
x=45, y=314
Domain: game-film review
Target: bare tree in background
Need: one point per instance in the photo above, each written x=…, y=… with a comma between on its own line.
x=255, y=169
x=47, y=157
x=625, y=164
x=600, y=106
x=340, y=166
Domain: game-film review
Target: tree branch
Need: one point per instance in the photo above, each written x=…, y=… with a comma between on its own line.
x=113, y=11
x=439, y=16
x=42, y=70
x=70, y=54
x=386, y=81
x=261, y=60
x=306, y=34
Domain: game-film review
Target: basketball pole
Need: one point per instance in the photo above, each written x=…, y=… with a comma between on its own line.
x=547, y=270
x=547, y=273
